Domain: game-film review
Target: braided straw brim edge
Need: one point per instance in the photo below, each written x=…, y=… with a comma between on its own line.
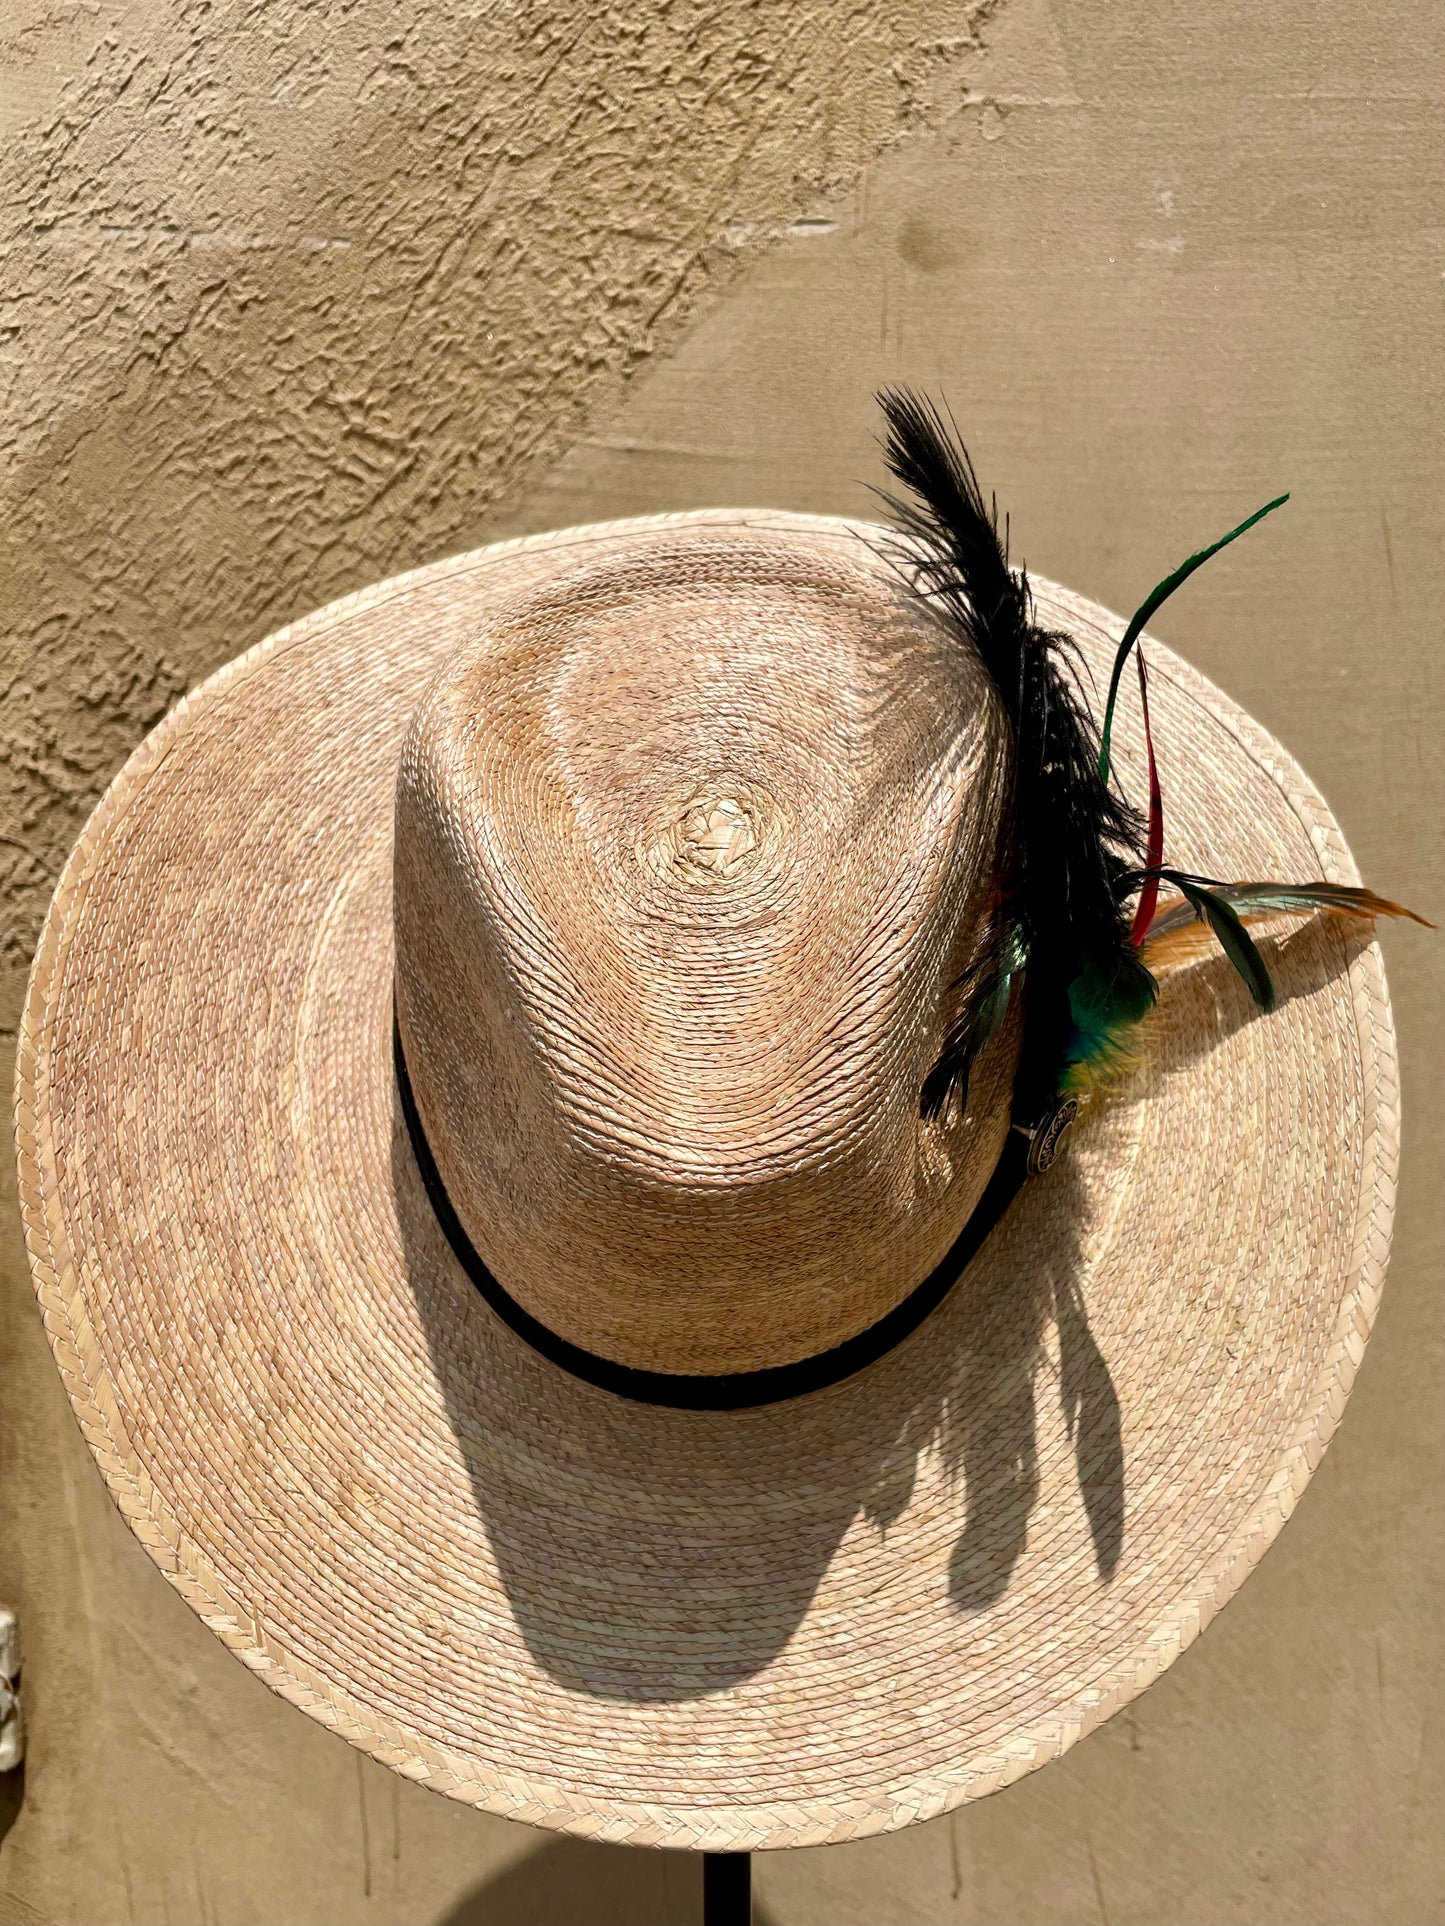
x=802, y=1823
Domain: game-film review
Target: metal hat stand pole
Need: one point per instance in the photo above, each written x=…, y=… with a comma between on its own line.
x=727, y=1889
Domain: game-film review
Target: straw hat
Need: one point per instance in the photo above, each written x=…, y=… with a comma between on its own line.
x=576, y=918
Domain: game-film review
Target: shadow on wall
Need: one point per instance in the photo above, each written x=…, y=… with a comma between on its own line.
x=12, y=1797
x=573, y=1882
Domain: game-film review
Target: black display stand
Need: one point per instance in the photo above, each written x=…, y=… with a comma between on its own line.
x=727, y=1889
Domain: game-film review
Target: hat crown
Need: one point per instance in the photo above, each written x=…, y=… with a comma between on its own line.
x=690, y=847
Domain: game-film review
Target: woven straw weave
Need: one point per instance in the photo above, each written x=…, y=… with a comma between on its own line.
x=691, y=844
x=765, y=1628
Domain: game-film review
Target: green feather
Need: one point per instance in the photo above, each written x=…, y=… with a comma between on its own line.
x=1106, y=1001
x=991, y=1011
x=1156, y=599
x=1264, y=899
x=1104, y=994
x=1234, y=938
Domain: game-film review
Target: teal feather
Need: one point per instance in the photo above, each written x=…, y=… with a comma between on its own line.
x=1298, y=899
x=1106, y=1000
x=1234, y=939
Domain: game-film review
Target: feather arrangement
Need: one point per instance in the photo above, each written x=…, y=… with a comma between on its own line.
x=1179, y=934
x=1073, y=840
x=1077, y=850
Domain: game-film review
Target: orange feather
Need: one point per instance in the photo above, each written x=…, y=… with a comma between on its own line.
x=1177, y=936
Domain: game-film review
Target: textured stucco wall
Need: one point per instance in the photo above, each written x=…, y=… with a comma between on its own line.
x=1165, y=260
x=294, y=296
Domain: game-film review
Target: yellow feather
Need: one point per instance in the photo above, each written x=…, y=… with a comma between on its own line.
x=1107, y=1068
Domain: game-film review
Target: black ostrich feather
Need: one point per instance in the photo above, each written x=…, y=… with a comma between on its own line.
x=1073, y=843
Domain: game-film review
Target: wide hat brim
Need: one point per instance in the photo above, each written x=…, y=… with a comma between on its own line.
x=726, y=1630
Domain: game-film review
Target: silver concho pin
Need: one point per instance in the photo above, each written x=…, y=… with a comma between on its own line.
x=1047, y=1135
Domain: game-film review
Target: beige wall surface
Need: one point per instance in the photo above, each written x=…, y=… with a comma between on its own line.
x=294, y=297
